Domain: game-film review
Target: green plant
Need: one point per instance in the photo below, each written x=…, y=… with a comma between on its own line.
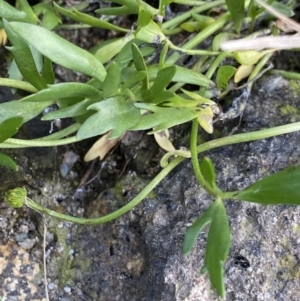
x=124, y=84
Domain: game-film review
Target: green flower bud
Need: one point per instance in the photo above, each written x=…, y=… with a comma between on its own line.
x=16, y=197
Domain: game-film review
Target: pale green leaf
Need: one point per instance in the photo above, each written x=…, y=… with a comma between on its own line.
x=217, y=247
x=60, y=50
x=193, y=231
x=114, y=114
x=160, y=117
x=63, y=90
x=26, y=110
x=280, y=188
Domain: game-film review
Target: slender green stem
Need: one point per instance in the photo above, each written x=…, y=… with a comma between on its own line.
x=11, y=142
x=286, y=74
x=192, y=51
x=195, y=161
x=17, y=84
x=200, y=37
x=247, y=137
x=104, y=219
x=182, y=17
x=62, y=133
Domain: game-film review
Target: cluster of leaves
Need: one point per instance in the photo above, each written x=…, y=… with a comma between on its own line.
x=126, y=91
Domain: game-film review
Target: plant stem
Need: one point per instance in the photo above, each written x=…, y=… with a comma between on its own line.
x=109, y=217
x=286, y=74
x=182, y=17
x=247, y=137
x=200, y=37
x=195, y=160
x=62, y=133
x=17, y=143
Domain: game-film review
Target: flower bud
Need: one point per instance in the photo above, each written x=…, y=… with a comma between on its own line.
x=16, y=197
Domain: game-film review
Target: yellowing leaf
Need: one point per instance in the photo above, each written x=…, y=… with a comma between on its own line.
x=162, y=139
x=3, y=37
x=242, y=72
x=205, y=119
x=250, y=57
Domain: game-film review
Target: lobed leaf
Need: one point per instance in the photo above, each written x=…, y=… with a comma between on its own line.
x=160, y=117
x=158, y=93
x=114, y=114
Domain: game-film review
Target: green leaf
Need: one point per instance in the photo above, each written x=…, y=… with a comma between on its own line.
x=125, y=56
x=48, y=73
x=236, y=9
x=140, y=64
x=127, y=7
x=217, y=247
x=280, y=188
x=193, y=231
x=112, y=81
x=87, y=19
x=208, y=171
x=114, y=114
x=106, y=50
x=9, y=127
x=60, y=50
x=63, y=90
x=77, y=109
x=8, y=162
x=220, y=38
x=224, y=74
x=10, y=13
x=27, y=110
x=160, y=118
x=184, y=75
x=24, y=58
x=284, y=9
x=134, y=79
x=147, y=30
x=50, y=18
x=158, y=93
x=250, y=57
